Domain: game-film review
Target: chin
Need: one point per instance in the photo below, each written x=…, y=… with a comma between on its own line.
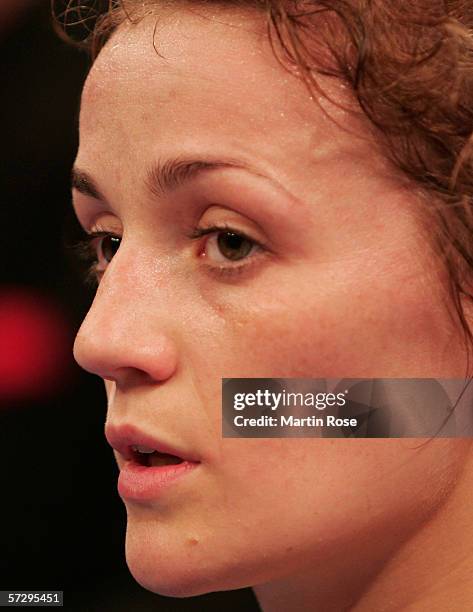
x=163, y=579
x=166, y=563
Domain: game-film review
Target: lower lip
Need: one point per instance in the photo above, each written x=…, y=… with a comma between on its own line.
x=141, y=483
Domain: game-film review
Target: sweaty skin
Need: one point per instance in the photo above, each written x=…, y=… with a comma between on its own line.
x=342, y=283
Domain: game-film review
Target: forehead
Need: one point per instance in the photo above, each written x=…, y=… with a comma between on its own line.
x=186, y=51
x=193, y=80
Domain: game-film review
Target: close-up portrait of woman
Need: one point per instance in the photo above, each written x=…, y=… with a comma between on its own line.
x=279, y=189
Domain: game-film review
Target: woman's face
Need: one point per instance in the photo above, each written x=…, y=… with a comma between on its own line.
x=335, y=279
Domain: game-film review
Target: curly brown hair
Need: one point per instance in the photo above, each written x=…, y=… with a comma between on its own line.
x=409, y=65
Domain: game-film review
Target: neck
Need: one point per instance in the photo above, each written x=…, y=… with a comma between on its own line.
x=428, y=568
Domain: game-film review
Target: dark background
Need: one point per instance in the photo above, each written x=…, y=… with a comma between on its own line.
x=62, y=523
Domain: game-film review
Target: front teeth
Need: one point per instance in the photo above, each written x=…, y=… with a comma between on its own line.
x=142, y=449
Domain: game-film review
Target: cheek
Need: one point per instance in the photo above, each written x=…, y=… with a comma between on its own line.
x=337, y=322
x=318, y=494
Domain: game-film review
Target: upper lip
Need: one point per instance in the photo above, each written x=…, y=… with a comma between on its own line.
x=123, y=437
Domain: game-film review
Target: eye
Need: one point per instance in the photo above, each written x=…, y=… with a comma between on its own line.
x=228, y=251
x=96, y=251
x=101, y=247
x=106, y=246
x=224, y=246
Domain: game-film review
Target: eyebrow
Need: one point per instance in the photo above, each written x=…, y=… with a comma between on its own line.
x=83, y=183
x=165, y=176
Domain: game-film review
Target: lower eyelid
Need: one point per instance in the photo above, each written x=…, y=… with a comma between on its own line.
x=248, y=266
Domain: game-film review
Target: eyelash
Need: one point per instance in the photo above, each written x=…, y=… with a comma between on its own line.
x=86, y=252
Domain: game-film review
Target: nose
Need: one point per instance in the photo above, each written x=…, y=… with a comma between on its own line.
x=126, y=335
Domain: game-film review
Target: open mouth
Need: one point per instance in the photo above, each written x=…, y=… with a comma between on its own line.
x=152, y=458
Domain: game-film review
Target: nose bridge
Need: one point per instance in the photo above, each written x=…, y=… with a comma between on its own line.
x=129, y=324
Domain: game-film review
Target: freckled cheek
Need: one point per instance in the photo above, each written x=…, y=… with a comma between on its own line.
x=335, y=333
x=291, y=340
